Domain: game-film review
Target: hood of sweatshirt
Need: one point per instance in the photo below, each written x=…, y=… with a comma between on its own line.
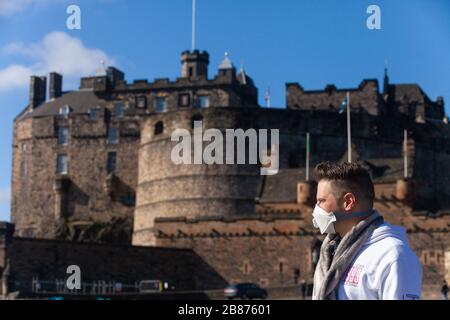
x=386, y=230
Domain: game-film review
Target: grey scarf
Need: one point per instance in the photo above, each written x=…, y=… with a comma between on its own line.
x=336, y=255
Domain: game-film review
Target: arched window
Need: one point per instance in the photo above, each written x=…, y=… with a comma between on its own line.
x=159, y=128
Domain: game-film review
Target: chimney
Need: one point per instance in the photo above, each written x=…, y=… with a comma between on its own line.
x=55, y=85
x=38, y=86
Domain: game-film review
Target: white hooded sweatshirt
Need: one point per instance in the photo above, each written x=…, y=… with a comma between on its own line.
x=385, y=268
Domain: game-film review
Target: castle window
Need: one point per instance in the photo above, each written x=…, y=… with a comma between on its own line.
x=64, y=111
x=203, y=101
x=141, y=102
x=159, y=128
x=63, y=134
x=184, y=100
x=93, y=114
x=22, y=168
x=62, y=164
x=111, y=162
x=160, y=104
x=113, y=135
x=191, y=71
x=119, y=110
x=281, y=267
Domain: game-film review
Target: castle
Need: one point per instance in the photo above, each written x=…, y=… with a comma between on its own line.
x=93, y=165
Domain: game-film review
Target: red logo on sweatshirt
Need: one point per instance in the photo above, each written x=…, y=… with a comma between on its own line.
x=353, y=275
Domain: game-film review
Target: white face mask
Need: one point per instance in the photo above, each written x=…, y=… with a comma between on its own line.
x=325, y=220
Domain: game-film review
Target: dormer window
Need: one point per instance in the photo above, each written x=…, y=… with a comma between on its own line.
x=64, y=111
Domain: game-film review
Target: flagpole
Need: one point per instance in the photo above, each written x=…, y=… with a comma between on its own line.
x=193, y=25
x=307, y=156
x=405, y=153
x=349, y=138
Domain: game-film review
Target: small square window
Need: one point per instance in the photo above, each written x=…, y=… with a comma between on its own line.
x=203, y=101
x=93, y=114
x=62, y=164
x=113, y=135
x=119, y=110
x=141, y=102
x=63, y=134
x=160, y=104
x=184, y=100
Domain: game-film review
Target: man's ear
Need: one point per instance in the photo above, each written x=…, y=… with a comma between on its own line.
x=349, y=201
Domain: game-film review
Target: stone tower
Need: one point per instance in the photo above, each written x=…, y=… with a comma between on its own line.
x=194, y=64
x=169, y=190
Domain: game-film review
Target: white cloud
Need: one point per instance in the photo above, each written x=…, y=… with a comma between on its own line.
x=10, y=7
x=5, y=196
x=58, y=52
x=14, y=76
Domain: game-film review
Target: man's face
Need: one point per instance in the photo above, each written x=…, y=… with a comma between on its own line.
x=325, y=198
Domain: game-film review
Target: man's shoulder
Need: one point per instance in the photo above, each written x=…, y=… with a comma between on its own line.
x=388, y=244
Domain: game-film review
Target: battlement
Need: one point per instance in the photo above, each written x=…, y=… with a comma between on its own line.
x=406, y=99
x=365, y=96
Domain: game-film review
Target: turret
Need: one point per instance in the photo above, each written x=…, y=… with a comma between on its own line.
x=194, y=64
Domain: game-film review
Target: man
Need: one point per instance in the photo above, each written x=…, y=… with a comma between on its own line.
x=362, y=256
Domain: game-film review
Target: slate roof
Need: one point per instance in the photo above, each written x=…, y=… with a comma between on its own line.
x=79, y=102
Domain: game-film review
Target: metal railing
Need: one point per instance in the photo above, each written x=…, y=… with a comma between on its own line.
x=99, y=287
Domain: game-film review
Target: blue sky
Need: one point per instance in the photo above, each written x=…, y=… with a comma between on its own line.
x=314, y=43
